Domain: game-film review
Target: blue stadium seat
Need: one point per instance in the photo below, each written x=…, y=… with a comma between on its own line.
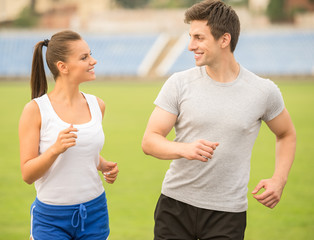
x=117, y=55
x=16, y=55
x=277, y=53
x=120, y=55
x=267, y=53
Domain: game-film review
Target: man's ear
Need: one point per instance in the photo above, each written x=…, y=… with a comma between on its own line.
x=225, y=40
x=62, y=67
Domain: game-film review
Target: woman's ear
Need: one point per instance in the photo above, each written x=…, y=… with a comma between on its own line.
x=62, y=67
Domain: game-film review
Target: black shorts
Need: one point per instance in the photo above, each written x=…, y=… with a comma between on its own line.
x=181, y=221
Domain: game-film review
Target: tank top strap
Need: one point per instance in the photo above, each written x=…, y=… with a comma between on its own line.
x=44, y=108
x=93, y=106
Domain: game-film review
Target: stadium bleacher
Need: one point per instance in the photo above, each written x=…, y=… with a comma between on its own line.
x=16, y=55
x=120, y=55
x=117, y=55
x=265, y=53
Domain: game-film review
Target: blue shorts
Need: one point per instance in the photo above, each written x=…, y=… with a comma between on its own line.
x=81, y=221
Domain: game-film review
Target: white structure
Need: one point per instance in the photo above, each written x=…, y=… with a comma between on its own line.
x=9, y=9
x=258, y=5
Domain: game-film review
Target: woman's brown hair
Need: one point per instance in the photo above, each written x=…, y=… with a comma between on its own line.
x=58, y=48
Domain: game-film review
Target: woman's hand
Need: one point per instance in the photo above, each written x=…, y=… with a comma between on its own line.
x=65, y=140
x=109, y=170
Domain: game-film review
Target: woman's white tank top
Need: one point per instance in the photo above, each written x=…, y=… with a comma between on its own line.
x=73, y=178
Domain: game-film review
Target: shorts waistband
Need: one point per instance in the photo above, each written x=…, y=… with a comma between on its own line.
x=53, y=208
x=78, y=211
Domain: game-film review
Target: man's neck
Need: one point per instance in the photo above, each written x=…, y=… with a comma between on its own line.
x=225, y=72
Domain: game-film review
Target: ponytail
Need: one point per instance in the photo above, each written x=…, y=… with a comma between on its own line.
x=58, y=49
x=39, y=83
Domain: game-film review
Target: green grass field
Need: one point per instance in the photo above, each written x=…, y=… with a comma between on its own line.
x=133, y=197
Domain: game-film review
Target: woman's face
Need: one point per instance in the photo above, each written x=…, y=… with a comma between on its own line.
x=80, y=64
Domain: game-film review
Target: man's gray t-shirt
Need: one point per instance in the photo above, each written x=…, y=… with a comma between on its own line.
x=228, y=113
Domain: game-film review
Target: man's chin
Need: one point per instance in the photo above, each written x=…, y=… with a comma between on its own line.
x=199, y=64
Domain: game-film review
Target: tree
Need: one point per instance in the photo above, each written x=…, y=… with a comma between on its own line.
x=276, y=11
x=27, y=18
x=132, y=3
x=172, y=3
x=33, y=6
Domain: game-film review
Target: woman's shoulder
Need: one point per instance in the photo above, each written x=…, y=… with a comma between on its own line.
x=101, y=104
x=31, y=107
x=31, y=113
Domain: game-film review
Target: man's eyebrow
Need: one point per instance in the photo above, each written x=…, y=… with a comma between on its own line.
x=196, y=35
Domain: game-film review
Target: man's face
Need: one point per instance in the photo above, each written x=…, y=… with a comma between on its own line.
x=206, y=49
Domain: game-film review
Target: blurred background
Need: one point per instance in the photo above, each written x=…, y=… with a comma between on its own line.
x=148, y=38
x=138, y=44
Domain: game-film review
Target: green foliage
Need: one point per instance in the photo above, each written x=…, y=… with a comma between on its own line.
x=189, y=3
x=172, y=4
x=27, y=18
x=237, y=2
x=132, y=198
x=297, y=10
x=278, y=12
x=132, y=3
x=275, y=11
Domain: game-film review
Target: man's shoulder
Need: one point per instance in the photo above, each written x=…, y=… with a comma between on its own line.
x=188, y=75
x=256, y=81
x=190, y=72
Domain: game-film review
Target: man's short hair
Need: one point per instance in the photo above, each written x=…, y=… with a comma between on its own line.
x=220, y=18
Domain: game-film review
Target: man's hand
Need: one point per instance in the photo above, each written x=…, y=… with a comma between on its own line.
x=272, y=194
x=201, y=150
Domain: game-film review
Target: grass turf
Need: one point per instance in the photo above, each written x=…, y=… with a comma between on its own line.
x=133, y=197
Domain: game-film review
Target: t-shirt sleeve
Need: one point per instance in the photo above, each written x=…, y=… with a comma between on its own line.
x=275, y=103
x=168, y=97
